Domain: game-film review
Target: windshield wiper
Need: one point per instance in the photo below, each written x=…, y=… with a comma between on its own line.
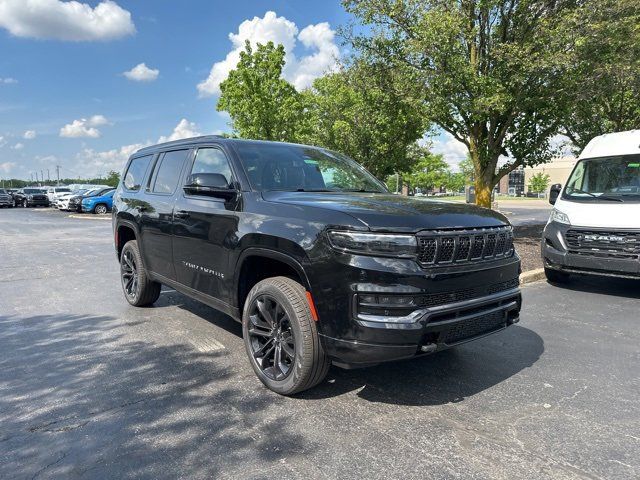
x=602, y=197
x=360, y=190
x=313, y=190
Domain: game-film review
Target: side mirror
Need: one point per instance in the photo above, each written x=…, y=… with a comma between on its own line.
x=210, y=184
x=554, y=192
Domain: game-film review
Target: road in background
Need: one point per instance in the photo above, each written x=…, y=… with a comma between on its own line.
x=93, y=388
x=525, y=212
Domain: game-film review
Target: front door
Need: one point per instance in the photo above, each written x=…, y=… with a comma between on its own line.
x=204, y=229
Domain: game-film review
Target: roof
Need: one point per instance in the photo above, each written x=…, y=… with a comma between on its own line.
x=207, y=139
x=610, y=144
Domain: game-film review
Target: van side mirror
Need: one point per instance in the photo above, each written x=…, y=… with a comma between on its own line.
x=555, y=190
x=210, y=185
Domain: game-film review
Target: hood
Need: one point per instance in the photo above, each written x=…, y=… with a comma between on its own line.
x=611, y=215
x=387, y=212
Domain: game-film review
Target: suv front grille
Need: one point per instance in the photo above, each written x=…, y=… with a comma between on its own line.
x=446, y=247
x=604, y=243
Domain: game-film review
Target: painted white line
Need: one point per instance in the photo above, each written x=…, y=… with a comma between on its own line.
x=90, y=217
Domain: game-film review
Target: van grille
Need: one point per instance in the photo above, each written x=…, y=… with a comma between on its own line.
x=447, y=247
x=604, y=243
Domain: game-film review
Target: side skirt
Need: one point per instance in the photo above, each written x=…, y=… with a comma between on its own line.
x=212, y=302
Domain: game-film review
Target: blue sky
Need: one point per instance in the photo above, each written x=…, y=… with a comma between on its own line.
x=64, y=96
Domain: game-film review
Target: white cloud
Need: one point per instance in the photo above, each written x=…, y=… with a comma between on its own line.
x=90, y=162
x=451, y=149
x=3, y=142
x=6, y=167
x=72, y=20
x=142, y=73
x=18, y=146
x=29, y=135
x=8, y=80
x=184, y=129
x=84, y=127
x=300, y=72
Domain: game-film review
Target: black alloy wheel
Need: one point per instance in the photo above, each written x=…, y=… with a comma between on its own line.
x=25, y=204
x=271, y=337
x=129, y=272
x=138, y=288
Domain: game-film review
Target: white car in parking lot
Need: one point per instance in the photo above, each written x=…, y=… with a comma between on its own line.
x=53, y=193
x=62, y=202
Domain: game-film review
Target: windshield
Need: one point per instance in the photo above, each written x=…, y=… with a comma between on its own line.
x=304, y=169
x=90, y=193
x=62, y=190
x=605, y=179
x=32, y=190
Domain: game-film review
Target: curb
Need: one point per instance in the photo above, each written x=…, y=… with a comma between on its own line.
x=532, y=276
x=90, y=217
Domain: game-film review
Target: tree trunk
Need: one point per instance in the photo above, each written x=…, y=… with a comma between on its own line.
x=483, y=192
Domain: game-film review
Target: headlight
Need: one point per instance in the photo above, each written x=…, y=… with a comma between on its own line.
x=379, y=245
x=559, y=217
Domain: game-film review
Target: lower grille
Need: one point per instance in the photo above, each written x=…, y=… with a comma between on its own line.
x=436, y=299
x=474, y=327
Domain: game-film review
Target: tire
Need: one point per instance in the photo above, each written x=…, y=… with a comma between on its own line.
x=142, y=291
x=309, y=364
x=100, y=209
x=554, y=276
x=25, y=204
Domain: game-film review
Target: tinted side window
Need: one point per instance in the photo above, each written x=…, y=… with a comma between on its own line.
x=169, y=171
x=135, y=173
x=212, y=160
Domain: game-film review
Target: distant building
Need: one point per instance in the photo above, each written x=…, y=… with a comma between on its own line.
x=512, y=184
x=558, y=170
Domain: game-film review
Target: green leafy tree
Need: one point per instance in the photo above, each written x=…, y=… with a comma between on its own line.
x=539, y=182
x=365, y=111
x=430, y=172
x=113, y=178
x=489, y=71
x=605, y=78
x=261, y=104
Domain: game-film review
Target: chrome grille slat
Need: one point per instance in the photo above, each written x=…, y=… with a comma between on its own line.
x=453, y=247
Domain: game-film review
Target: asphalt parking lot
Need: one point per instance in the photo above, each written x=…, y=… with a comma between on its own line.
x=93, y=388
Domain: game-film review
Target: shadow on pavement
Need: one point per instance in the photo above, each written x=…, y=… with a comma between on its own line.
x=81, y=399
x=618, y=287
x=446, y=377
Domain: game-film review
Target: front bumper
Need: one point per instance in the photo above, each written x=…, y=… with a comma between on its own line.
x=557, y=255
x=6, y=202
x=457, y=305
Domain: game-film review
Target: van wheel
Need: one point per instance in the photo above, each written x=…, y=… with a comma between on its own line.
x=281, y=337
x=138, y=289
x=100, y=209
x=554, y=276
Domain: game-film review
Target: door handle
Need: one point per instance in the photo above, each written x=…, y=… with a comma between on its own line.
x=180, y=214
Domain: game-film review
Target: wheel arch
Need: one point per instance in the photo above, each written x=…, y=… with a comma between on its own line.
x=275, y=260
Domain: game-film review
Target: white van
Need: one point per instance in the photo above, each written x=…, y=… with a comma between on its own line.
x=594, y=227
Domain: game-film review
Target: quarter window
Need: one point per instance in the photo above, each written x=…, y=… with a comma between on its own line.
x=212, y=160
x=135, y=173
x=169, y=171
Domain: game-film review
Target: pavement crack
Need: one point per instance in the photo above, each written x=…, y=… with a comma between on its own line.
x=49, y=465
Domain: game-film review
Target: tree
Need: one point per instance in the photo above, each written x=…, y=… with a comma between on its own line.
x=261, y=104
x=539, y=182
x=430, y=171
x=113, y=178
x=605, y=78
x=489, y=71
x=365, y=112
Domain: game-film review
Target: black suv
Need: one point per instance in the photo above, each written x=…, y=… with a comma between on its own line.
x=313, y=255
x=31, y=197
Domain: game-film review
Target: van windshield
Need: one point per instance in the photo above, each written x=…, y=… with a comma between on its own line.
x=605, y=179
x=304, y=169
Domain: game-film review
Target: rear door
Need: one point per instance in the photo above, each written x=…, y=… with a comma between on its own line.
x=205, y=229
x=157, y=213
